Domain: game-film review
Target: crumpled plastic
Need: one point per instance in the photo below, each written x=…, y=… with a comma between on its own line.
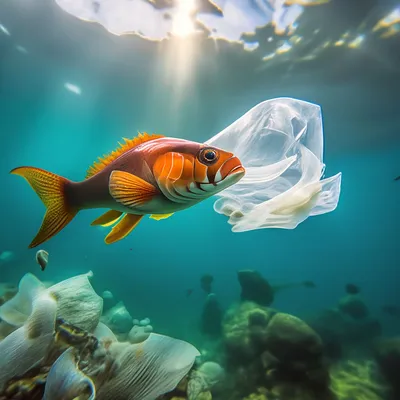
x=280, y=144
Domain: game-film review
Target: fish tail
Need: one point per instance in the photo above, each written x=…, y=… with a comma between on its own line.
x=51, y=190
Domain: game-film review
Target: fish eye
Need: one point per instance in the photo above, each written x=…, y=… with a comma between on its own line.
x=208, y=156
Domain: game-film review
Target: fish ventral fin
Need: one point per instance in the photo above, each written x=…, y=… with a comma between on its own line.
x=123, y=228
x=108, y=218
x=159, y=217
x=130, y=190
x=50, y=189
x=128, y=144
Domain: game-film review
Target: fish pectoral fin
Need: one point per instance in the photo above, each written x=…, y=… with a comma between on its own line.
x=123, y=228
x=108, y=218
x=130, y=190
x=158, y=217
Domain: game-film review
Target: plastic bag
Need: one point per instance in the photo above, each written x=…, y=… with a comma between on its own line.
x=280, y=143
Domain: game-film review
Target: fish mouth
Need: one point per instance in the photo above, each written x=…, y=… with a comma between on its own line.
x=231, y=169
x=239, y=169
x=235, y=175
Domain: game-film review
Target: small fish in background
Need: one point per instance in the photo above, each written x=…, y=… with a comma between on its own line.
x=73, y=88
x=397, y=178
x=189, y=292
x=42, y=258
x=351, y=288
x=107, y=295
x=6, y=256
x=309, y=284
x=21, y=49
x=4, y=30
x=148, y=175
x=206, y=283
x=393, y=311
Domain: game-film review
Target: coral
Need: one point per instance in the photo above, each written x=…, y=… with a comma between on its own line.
x=387, y=354
x=206, y=283
x=275, y=350
x=354, y=306
x=204, y=396
x=342, y=334
x=203, y=379
x=108, y=300
x=356, y=380
x=242, y=325
x=261, y=394
x=289, y=338
x=139, y=333
x=255, y=288
x=211, y=317
x=118, y=319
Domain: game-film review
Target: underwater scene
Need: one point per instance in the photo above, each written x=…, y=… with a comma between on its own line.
x=200, y=199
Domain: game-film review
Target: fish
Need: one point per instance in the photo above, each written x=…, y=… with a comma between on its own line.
x=6, y=255
x=148, y=175
x=206, y=283
x=189, y=292
x=351, y=288
x=397, y=178
x=393, y=311
x=42, y=258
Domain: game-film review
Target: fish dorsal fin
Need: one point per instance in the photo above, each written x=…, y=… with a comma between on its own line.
x=123, y=147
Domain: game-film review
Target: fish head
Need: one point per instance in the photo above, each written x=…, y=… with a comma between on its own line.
x=216, y=169
x=191, y=172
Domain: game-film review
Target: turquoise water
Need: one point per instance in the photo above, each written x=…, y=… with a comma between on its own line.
x=131, y=84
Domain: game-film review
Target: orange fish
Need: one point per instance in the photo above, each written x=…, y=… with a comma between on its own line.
x=150, y=174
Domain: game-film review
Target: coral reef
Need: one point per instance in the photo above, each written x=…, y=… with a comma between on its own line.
x=273, y=350
x=250, y=352
x=348, y=330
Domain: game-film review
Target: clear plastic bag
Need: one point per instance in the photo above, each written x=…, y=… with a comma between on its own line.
x=280, y=143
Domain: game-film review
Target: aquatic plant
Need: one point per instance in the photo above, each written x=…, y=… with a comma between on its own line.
x=147, y=370
x=66, y=380
x=53, y=356
x=28, y=345
x=77, y=302
x=102, y=332
x=357, y=380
